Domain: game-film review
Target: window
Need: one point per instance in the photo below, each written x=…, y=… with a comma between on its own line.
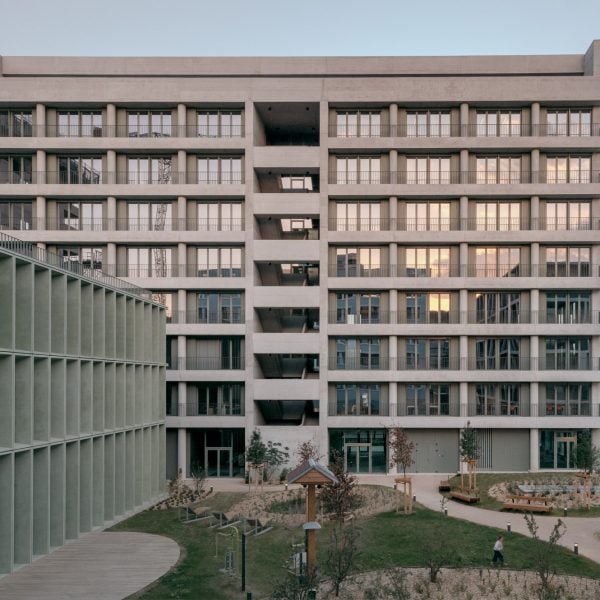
x=219, y=262
x=358, y=124
x=297, y=183
x=357, y=399
x=569, y=122
x=358, y=307
x=568, y=307
x=493, y=399
x=218, y=399
x=144, y=169
x=497, y=307
x=568, y=169
x=79, y=169
x=358, y=216
x=79, y=124
x=16, y=215
x=217, y=169
x=568, y=216
x=16, y=169
x=428, y=216
x=498, y=216
x=497, y=262
x=81, y=259
x=568, y=353
x=216, y=123
x=167, y=299
x=358, y=262
x=219, y=307
x=428, y=262
x=498, y=169
x=497, y=353
x=428, y=307
x=220, y=216
x=429, y=399
x=427, y=353
x=567, y=399
x=16, y=123
x=149, y=262
x=149, y=124
x=358, y=353
x=568, y=261
x=81, y=216
x=428, y=169
x=498, y=123
x=358, y=169
x=149, y=216
x=428, y=124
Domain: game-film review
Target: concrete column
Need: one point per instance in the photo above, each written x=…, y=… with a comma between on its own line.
x=40, y=168
x=393, y=260
x=463, y=351
x=111, y=167
x=393, y=167
x=181, y=306
x=534, y=401
x=182, y=120
x=534, y=305
x=181, y=348
x=111, y=213
x=182, y=260
x=394, y=306
x=463, y=259
x=182, y=399
x=393, y=352
x=464, y=166
x=393, y=398
x=464, y=119
x=463, y=306
x=40, y=120
x=535, y=118
x=393, y=119
x=41, y=245
x=182, y=451
x=394, y=213
x=463, y=397
x=534, y=351
x=536, y=268
x=182, y=213
x=181, y=167
x=534, y=219
x=111, y=120
x=40, y=213
x=464, y=213
x=534, y=450
x=535, y=166
x=111, y=258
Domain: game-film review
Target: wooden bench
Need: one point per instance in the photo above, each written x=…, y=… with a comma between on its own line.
x=444, y=485
x=469, y=498
x=527, y=503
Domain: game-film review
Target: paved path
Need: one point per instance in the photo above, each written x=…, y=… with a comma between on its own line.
x=99, y=566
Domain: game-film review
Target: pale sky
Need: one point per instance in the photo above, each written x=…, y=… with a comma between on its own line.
x=296, y=27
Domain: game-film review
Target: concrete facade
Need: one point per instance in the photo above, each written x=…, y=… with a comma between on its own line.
x=344, y=244
x=82, y=377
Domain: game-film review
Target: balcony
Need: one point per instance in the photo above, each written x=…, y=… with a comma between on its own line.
x=498, y=408
x=200, y=409
x=207, y=363
x=161, y=131
x=232, y=316
x=564, y=408
x=408, y=408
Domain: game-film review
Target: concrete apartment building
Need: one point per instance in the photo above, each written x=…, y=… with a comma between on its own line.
x=82, y=419
x=344, y=244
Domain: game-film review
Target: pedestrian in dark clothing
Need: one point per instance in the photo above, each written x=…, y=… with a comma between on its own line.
x=498, y=548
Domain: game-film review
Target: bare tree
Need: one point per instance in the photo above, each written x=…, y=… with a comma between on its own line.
x=295, y=587
x=341, y=498
x=401, y=449
x=341, y=555
x=307, y=450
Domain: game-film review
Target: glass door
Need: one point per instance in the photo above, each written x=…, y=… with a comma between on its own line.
x=564, y=451
x=218, y=462
x=357, y=458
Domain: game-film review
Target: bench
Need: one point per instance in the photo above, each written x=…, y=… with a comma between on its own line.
x=465, y=496
x=527, y=503
x=444, y=485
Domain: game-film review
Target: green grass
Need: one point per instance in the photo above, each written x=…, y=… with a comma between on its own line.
x=385, y=540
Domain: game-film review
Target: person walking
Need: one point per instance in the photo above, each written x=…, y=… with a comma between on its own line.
x=498, y=548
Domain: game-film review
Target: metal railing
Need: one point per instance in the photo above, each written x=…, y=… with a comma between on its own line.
x=379, y=409
x=208, y=363
x=196, y=317
x=174, y=270
x=128, y=131
x=15, y=246
x=496, y=408
x=370, y=363
x=428, y=409
x=401, y=318
x=564, y=409
x=374, y=317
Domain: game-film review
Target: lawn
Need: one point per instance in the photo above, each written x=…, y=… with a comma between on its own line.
x=386, y=539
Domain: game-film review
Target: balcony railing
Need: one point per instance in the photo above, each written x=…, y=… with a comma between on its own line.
x=564, y=408
x=228, y=316
x=207, y=363
x=497, y=408
x=148, y=132
x=428, y=409
x=387, y=317
x=200, y=409
x=171, y=270
x=342, y=317
x=370, y=363
x=373, y=409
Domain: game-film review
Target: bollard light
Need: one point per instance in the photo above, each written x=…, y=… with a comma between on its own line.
x=445, y=512
x=576, y=548
x=286, y=487
x=414, y=498
x=565, y=511
x=508, y=527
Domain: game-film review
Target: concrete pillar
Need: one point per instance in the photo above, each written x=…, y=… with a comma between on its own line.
x=181, y=268
x=534, y=351
x=111, y=168
x=111, y=120
x=182, y=451
x=464, y=213
x=534, y=450
x=393, y=178
x=534, y=218
x=394, y=306
x=40, y=169
x=393, y=352
x=111, y=258
x=182, y=399
x=181, y=351
x=181, y=120
x=535, y=166
x=40, y=213
x=463, y=351
x=463, y=259
x=393, y=260
x=180, y=176
x=111, y=213
x=535, y=119
x=393, y=398
x=534, y=306
x=464, y=166
x=181, y=306
x=463, y=396
x=393, y=120
x=536, y=268
x=464, y=120
x=463, y=306
x=40, y=120
x=182, y=214
x=394, y=213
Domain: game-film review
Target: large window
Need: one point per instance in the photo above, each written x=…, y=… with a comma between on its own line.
x=147, y=169
x=358, y=262
x=568, y=261
x=428, y=307
x=565, y=215
x=498, y=307
x=358, y=216
x=149, y=216
x=298, y=183
x=498, y=216
x=427, y=262
x=220, y=216
x=568, y=353
x=219, y=307
x=497, y=353
x=498, y=123
x=16, y=215
x=428, y=124
x=149, y=262
x=362, y=123
x=82, y=216
x=16, y=123
x=358, y=353
x=358, y=307
x=219, y=123
x=568, y=169
x=568, y=307
x=498, y=169
x=153, y=123
x=427, y=353
x=358, y=169
x=79, y=169
x=16, y=169
x=428, y=216
x=567, y=400
x=216, y=399
x=220, y=169
x=82, y=258
x=428, y=169
x=219, y=262
x=357, y=399
x=427, y=399
x=497, y=399
x=79, y=124
x=569, y=122
x=497, y=262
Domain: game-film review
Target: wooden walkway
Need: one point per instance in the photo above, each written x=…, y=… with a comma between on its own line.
x=99, y=566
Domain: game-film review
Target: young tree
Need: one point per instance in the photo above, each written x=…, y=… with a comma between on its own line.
x=256, y=450
x=341, y=498
x=307, y=450
x=275, y=456
x=341, y=555
x=295, y=587
x=469, y=452
x=587, y=456
x=401, y=449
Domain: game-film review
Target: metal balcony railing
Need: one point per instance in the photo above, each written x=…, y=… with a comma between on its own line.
x=229, y=316
x=564, y=408
x=410, y=362
x=497, y=408
x=374, y=317
x=407, y=408
x=553, y=317
x=499, y=363
x=336, y=270
x=214, y=270
x=372, y=409
x=144, y=132
x=202, y=409
x=145, y=270
x=500, y=317
x=567, y=362
x=428, y=317
x=75, y=224
x=360, y=224
x=369, y=363
x=208, y=363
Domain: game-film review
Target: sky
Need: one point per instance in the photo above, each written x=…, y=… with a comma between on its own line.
x=296, y=27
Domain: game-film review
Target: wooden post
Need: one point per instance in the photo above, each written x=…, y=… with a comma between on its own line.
x=311, y=515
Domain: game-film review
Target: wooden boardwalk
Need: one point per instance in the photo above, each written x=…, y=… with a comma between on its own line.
x=99, y=566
